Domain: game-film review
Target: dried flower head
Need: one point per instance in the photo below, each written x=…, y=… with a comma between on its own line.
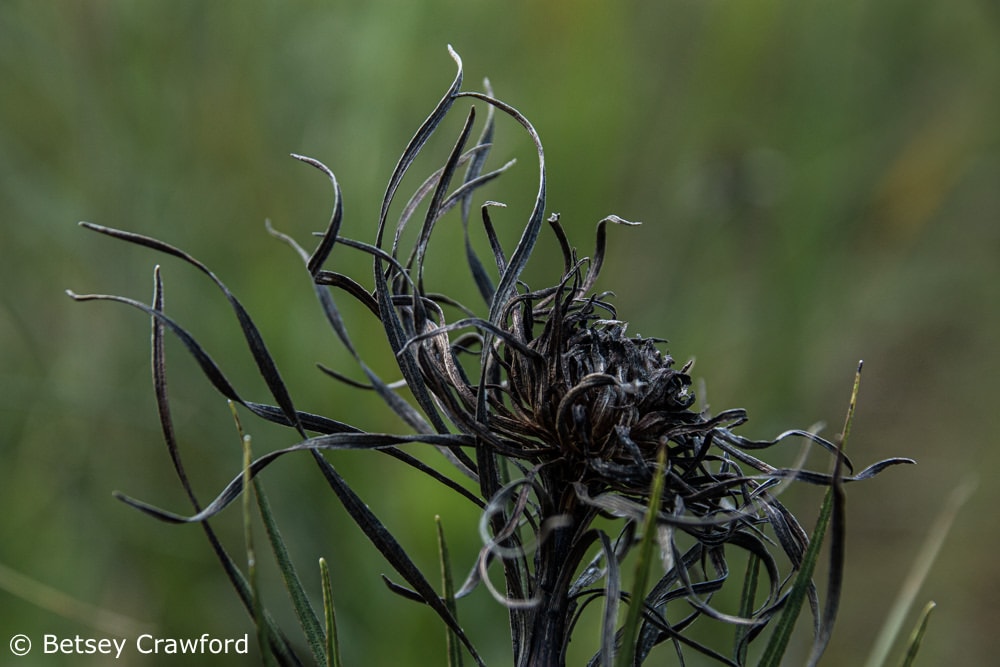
x=554, y=414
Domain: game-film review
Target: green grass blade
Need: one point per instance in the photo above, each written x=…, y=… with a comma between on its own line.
x=53, y=600
x=454, y=644
x=917, y=636
x=747, y=597
x=300, y=601
x=332, y=639
x=832, y=503
x=644, y=561
x=778, y=643
x=263, y=638
x=267, y=631
x=850, y=407
x=918, y=573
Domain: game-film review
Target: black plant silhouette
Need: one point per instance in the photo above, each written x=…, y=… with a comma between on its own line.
x=555, y=420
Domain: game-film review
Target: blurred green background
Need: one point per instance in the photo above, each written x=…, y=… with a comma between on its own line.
x=819, y=183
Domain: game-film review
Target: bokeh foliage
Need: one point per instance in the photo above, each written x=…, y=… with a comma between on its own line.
x=818, y=183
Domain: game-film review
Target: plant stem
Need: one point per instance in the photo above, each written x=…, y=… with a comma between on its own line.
x=550, y=624
x=558, y=557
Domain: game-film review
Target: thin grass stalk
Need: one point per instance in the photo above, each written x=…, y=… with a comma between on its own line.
x=300, y=601
x=263, y=640
x=452, y=642
x=832, y=505
x=332, y=645
x=746, y=609
x=913, y=647
x=643, y=564
x=612, y=601
x=926, y=555
x=59, y=603
x=778, y=643
x=304, y=612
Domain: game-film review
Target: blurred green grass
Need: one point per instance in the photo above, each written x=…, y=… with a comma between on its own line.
x=818, y=183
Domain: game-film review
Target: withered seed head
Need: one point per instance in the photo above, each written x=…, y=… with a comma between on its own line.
x=567, y=386
x=558, y=417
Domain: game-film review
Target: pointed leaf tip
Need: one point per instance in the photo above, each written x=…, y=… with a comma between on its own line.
x=454, y=56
